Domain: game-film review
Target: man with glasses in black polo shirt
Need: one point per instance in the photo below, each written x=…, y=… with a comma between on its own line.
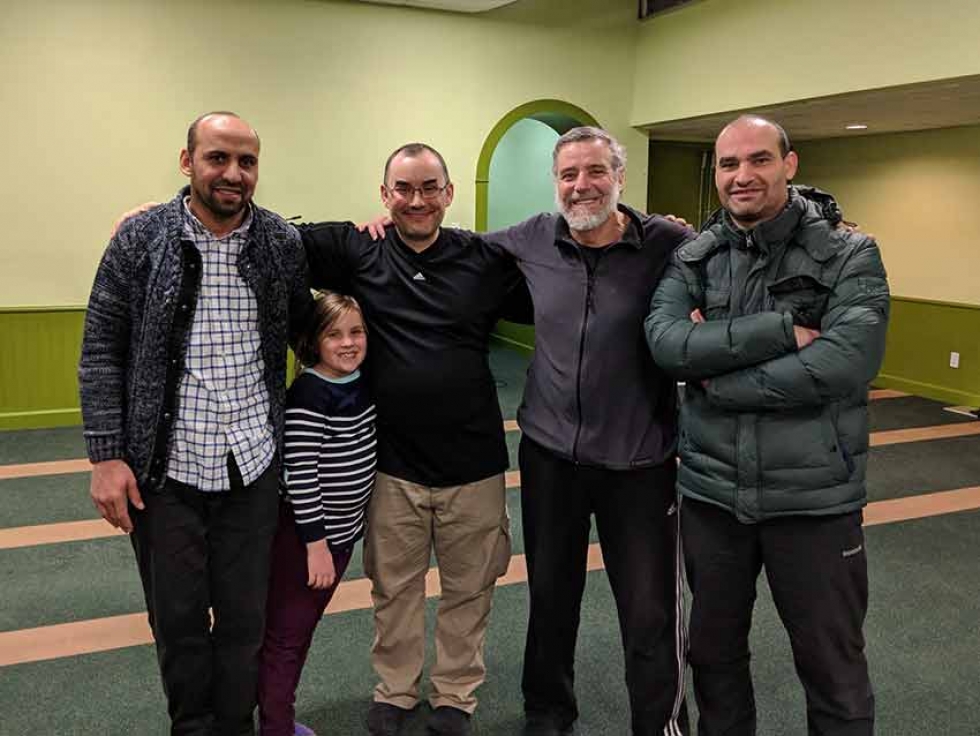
x=431, y=297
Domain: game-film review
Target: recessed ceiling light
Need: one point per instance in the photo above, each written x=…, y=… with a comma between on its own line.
x=856, y=126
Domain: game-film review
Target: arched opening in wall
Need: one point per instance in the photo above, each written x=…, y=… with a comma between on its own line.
x=513, y=175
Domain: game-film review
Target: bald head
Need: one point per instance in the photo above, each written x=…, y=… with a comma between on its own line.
x=216, y=117
x=753, y=167
x=759, y=123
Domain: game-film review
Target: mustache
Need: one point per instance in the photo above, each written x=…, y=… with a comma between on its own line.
x=228, y=185
x=574, y=197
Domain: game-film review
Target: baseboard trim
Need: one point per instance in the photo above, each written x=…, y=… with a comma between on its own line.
x=40, y=419
x=927, y=390
x=512, y=343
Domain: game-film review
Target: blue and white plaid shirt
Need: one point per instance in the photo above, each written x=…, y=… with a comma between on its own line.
x=222, y=400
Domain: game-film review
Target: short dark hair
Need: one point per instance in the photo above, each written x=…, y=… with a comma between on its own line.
x=328, y=307
x=785, y=146
x=414, y=149
x=192, y=130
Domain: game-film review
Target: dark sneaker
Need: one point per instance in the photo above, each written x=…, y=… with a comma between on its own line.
x=544, y=726
x=385, y=719
x=448, y=721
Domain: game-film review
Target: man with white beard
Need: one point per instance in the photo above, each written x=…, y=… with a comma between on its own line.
x=599, y=437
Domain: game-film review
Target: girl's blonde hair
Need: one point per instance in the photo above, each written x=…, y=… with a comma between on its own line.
x=328, y=307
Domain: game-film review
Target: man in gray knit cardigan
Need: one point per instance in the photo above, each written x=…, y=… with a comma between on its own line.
x=182, y=379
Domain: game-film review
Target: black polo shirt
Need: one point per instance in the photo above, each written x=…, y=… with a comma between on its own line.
x=429, y=317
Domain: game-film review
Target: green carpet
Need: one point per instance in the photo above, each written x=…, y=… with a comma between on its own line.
x=922, y=630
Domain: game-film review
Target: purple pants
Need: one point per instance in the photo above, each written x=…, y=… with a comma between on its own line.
x=292, y=613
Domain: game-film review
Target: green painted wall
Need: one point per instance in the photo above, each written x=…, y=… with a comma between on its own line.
x=674, y=184
x=38, y=363
x=718, y=55
x=103, y=91
x=921, y=336
x=918, y=194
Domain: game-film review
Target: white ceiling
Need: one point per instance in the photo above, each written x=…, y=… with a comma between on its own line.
x=941, y=104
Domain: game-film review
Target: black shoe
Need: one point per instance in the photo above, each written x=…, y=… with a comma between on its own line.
x=545, y=726
x=385, y=719
x=448, y=721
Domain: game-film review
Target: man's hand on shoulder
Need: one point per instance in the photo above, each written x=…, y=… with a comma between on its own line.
x=113, y=487
x=679, y=220
x=375, y=227
x=131, y=213
x=852, y=227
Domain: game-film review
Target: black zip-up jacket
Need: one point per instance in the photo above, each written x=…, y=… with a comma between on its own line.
x=138, y=319
x=593, y=393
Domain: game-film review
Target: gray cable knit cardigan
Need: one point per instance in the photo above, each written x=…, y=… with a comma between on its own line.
x=138, y=319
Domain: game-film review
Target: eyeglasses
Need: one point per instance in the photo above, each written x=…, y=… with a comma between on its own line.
x=407, y=191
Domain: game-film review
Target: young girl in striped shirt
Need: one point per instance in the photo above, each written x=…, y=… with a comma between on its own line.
x=329, y=460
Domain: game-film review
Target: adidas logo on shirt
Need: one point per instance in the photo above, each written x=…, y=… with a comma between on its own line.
x=418, y=277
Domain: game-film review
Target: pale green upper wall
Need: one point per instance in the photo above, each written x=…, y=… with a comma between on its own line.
x=917, y=193
x=97, y=95
x=718, y=55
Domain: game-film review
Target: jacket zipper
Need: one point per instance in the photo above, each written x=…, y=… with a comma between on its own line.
x=759, y=269
x=589, y=296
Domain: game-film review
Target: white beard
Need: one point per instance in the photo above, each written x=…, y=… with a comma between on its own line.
x=583, y=222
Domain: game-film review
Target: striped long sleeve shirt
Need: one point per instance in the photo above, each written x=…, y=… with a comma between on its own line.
x=330, y=456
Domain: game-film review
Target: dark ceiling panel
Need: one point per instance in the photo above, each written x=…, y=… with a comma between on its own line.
x=652, y=7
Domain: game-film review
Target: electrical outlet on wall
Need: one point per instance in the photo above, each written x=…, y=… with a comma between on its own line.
x=954, y=360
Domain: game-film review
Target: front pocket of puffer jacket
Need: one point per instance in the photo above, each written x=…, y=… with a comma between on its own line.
x=716, y=304
x=802, y=296
x=840, y=462
x=802, y=440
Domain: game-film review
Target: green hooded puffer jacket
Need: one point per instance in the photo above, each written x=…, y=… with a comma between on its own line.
x=768, y=430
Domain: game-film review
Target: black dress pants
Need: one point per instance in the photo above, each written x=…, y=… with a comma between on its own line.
x=637, y=522
x=818, y=574
x=196, y=551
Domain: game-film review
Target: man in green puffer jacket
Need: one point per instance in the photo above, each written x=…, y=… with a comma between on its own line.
x=776, y=318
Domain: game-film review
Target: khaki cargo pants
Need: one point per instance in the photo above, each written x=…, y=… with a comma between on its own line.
x=468, y=529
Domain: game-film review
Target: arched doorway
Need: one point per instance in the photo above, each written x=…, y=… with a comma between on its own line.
x=558, y=115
